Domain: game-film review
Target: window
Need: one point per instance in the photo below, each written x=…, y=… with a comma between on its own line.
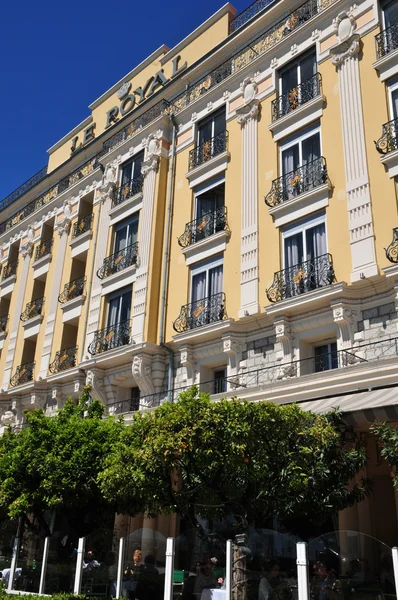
x=209, y=201
x=302, y=167
x=297, y=71
x=390, y=13
x=306, y=262
x=207, y=279
x=126, y=233
x=132, y=169
x=220, y=381
x=135, y=398
x=326, y=357
x=209, y=212
x=211, y=127
x=393, y=97
x=119, y=308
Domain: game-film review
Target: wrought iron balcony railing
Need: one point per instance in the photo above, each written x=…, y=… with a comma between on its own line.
x=72, y=289
x=303, y=179
x=9, y=270
x=248, y=14
x=44, y=248
x=33, y=309
x=207, y=150
x=389, y=137
x=23, y=374
x=3, y=323
x=64, y=359
x=387, y=41
x=111, y=337
x=123, y=406
x=201, y=312
x=296, y=97
x=392, y=249
x=127, y=190
x=301, y=278
x=119, y=261
x=204, y=227
x=83, y=225
x=31, y=182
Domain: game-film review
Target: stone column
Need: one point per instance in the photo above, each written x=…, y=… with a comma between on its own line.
x=346, y=56
x=26, y=252
x=105, y=200
x=62, y=227
x=149, y=170
x=247, y=117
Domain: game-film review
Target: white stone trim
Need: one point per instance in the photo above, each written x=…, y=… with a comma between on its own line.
x=390, y=161
x=308, y=301
x=297, y=119
x=125, y=209
x=32, y=326
x=81, y=243
x=41, y=266
x=7, y=285
x=387, y=66
x=208, y=169
x=72, y=309
x=301, y=206
x=117, y=280
x=214, y=244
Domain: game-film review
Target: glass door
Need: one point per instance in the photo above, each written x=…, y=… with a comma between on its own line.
x=126, y=234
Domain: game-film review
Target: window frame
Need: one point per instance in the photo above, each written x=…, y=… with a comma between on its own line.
x=297, y=60
x=392, y=86
x=205, y=267
x=126, y=222
x=297, y=139
x=131, y=161
x=329, y=353
x=301, y=227
x=209, y=185
x=118, y=294
x=383, y=6
x=210, y=117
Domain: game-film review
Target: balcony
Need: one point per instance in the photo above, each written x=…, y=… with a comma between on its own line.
x=387, y=41
x=119, y=261
x=388, y=142
x=64, y=359
x=110, y=338
x=304, y=179
x=201, y=312
x=392, y=249
x=204, y=227
x=127, y=190
x=208, y=150
x=23, y=374
x=296, y=97
x=83, y=225
x=33, y=309
x=44, y=249
x=73, y=289
x=9, y=270
x=301, y=278
x=124, y=406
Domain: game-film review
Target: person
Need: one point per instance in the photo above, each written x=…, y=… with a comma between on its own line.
x=324, y=583
x=205, y=578
x=272, y=586
x=131, y=575
x=91, y=562
x=148, y=580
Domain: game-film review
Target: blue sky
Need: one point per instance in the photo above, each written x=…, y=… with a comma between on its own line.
x=58, y=57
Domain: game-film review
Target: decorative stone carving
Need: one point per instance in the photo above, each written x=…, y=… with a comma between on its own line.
x=26, y=249
x=152, y=151
x=233, y=348
x=8, y=418
x=110, y=174
x=344, y=317
x=187, y=359
x=95, y=381
x=63, y=226
x=90, y=378
x=151, y=164
x=249, y=88
x=285, y=337
x=349, y=43
x=142, y=372
x=251, y=107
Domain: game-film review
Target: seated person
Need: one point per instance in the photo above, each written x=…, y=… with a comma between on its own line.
x=205, y=578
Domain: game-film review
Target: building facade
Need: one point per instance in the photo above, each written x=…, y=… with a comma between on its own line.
x=227, y=217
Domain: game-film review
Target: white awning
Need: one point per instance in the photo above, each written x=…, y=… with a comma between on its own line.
x=363, y=407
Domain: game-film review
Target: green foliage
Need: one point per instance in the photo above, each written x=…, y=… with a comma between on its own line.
x=211, y=458
x=388, y=443
x=54, y=463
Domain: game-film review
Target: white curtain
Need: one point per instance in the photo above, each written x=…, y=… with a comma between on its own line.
x=121, y=239
x=293, y=250
x=316, y=241
x=311, y=148
x=216, y=280
x=394, y=96
x=198, y=287
x=133, y=232
x=290, y=160
x=113, y=315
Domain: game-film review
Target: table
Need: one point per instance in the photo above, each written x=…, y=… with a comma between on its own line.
x=213, y=594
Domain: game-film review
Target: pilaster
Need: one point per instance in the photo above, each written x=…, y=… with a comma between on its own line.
x=360, y=220
x=187, y=360
x=62, y=227
x=149, y=171
x=247, y=118
x=26, y=253
x=344, y=317
x=233, y=348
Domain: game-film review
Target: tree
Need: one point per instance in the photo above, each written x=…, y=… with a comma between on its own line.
x=54, y=464
x=198, y=457
x=388, y=443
